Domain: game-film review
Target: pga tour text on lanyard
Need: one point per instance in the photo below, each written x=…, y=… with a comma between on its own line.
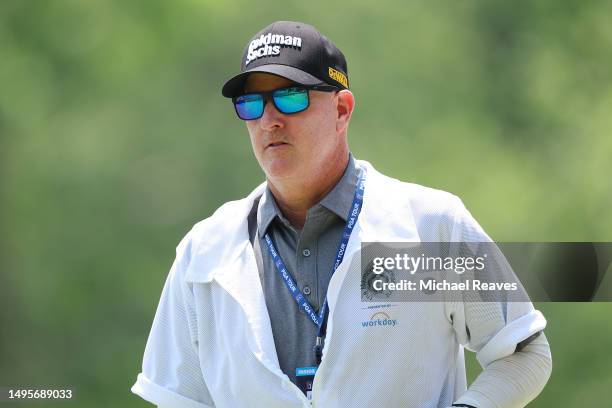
x=319, y=319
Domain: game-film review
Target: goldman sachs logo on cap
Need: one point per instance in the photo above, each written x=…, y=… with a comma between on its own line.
x=270, y=44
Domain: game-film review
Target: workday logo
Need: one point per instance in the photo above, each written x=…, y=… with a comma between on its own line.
x=380, y=319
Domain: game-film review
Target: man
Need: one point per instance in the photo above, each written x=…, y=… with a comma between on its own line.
x=262, y=305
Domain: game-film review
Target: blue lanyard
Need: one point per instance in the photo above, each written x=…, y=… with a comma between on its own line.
x=319, y=319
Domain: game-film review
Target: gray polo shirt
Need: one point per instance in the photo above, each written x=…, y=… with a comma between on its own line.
x=309, y=255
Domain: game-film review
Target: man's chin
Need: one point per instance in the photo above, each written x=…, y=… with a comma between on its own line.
x=279, y=168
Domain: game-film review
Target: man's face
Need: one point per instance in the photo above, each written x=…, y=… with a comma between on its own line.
x=294, y=145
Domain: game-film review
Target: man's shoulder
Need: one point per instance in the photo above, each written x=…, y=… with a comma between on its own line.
x=434, y=212
x=227, y=221
x=421, y=198
x=231, y=213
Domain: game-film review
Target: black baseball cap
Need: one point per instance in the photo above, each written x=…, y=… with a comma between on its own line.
x=293, y=50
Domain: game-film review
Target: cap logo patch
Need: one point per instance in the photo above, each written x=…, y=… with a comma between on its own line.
x=338, y=76
x=270, y=44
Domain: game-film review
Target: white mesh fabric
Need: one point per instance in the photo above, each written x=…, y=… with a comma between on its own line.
x=171, y=373
x=496, y=327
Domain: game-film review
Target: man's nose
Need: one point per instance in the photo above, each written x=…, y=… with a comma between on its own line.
x=271, y=117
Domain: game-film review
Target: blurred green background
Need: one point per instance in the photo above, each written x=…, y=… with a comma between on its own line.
x=115, y=140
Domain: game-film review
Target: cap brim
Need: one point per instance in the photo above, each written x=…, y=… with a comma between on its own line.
x=235, y=86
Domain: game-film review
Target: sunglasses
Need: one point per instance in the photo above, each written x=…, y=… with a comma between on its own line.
x=292, y=99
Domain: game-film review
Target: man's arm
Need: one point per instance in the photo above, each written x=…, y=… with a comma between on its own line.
x=516, y=360
x=512, y=381
x=171, y=374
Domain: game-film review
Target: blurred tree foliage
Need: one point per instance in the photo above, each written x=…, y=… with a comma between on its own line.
x=114, y=140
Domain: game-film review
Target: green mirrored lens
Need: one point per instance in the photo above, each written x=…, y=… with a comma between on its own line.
x=291, y=100
x=249, y=107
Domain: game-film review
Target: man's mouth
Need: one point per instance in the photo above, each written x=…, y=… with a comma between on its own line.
x=275, y=144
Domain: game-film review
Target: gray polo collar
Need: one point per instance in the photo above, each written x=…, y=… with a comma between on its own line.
x=338, y=200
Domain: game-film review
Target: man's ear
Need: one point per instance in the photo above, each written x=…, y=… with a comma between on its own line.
x=346, y=104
